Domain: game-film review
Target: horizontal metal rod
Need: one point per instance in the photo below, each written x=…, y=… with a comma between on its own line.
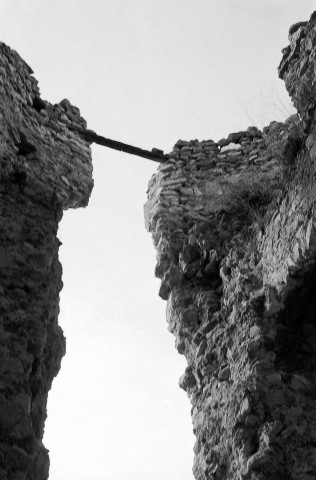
x=89, y=135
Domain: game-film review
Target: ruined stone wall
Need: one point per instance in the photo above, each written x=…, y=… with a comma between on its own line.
x=45, y=168
x=233, y=223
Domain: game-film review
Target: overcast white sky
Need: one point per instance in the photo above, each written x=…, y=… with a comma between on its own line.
x=145, y=72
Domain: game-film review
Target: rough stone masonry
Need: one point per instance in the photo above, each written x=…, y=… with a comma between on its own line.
x=45, y=168
x=233, y=223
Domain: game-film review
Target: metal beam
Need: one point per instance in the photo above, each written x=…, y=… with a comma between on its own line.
x=90, y=136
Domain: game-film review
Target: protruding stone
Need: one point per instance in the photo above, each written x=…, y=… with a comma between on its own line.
x=254, y=331
x=244, y=408
x=224, y=374
x=187, y=380
x=182, y=143
x=225, y=274
x=201, y=349
x=295, y=27
x=231, y=146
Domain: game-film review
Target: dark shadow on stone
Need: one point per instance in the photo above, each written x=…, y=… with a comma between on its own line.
x=297, y=333
x=24, y=146
x=39, y=104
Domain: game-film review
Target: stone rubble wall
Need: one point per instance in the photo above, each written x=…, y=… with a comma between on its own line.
x=233, y=223
x=35, y=139
x=45, y=168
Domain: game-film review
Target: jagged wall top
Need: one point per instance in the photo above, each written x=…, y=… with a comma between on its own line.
x=297, y=67
x=38, y=151
x=200, y=190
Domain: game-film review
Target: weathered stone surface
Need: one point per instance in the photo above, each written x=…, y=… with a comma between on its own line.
x=44, y=169
x=244, y=311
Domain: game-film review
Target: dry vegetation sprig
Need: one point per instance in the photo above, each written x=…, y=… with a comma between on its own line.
x=249, y=200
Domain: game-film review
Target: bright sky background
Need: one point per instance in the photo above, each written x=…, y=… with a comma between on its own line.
x=145, y=72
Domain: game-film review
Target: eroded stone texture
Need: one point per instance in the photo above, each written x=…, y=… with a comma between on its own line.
x=233, y=223
x=45, y=168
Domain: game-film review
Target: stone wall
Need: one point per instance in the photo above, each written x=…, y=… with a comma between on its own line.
x=233, y=223
x=45, y=168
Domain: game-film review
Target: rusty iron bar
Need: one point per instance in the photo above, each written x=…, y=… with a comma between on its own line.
x=90, y=136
